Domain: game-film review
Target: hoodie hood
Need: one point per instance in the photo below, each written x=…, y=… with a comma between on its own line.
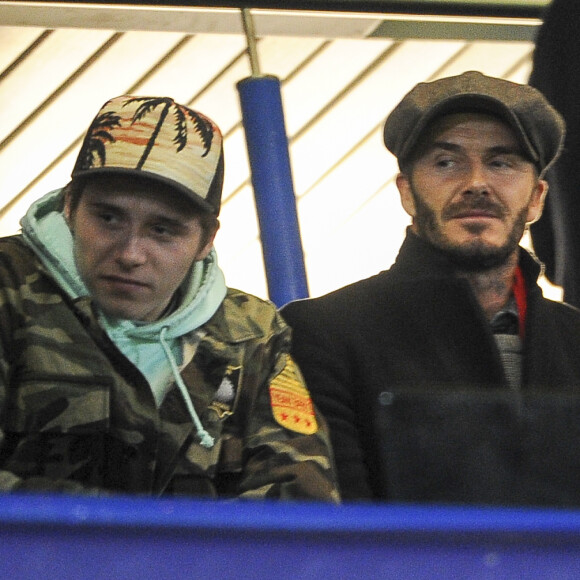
x=156, y=348
x=46, y=232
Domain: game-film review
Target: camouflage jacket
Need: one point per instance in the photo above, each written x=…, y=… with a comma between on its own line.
x=76, y=415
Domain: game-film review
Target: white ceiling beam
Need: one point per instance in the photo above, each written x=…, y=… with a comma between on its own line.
x=192, y=20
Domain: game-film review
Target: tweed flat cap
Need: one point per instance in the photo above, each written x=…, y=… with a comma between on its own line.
x=159, y=139
x=538, y=126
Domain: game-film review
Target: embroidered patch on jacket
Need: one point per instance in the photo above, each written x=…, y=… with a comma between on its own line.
x=291, y=402
x=226, y=396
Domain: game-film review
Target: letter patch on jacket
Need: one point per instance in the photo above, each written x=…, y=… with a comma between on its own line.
x=291, y=402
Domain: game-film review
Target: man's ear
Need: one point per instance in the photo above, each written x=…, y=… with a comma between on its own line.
x=66, y=210
x=209, y=240
x=536, y=206
x=406, y=193
x=67, y=205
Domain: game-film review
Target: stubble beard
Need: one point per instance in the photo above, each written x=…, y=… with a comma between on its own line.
x=474, y=256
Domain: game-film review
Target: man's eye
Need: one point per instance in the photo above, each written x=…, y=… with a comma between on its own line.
x=161, y=230
x=444, y=162
x=108, y=218
x=501, y=162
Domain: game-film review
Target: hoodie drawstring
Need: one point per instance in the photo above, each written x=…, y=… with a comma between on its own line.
x=206, y=439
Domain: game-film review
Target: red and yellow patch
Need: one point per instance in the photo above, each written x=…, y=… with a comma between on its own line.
x=291, y=402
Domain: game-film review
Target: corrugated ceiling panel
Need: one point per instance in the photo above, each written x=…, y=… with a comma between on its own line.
x=15, y=41
x=34, y=80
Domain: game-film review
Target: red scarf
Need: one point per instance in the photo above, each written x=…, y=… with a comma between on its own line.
x=519, y=290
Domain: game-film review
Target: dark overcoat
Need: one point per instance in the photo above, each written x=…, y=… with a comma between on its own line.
x=416, y=325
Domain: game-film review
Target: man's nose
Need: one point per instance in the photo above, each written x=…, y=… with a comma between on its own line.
x=131, y=251
x=476, y=179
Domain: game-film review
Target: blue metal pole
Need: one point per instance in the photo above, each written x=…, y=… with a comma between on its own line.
x=267, y=145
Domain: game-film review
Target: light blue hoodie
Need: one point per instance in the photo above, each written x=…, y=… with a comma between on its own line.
x=156, y=348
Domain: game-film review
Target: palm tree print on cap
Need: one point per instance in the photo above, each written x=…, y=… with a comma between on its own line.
x=202, y=125
x=98, y=135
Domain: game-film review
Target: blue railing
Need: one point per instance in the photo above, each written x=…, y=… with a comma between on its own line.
x=64, y=537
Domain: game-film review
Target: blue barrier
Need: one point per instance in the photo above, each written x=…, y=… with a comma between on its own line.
x=63, y=537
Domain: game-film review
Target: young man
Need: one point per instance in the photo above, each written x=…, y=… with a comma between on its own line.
x=127, y=365
x=431, y=374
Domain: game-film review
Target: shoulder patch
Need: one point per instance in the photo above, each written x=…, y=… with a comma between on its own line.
x=291, y=403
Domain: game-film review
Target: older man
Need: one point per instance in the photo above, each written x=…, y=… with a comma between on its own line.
x=437, y=376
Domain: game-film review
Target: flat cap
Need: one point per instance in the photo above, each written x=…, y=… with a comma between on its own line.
x=539, y=128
